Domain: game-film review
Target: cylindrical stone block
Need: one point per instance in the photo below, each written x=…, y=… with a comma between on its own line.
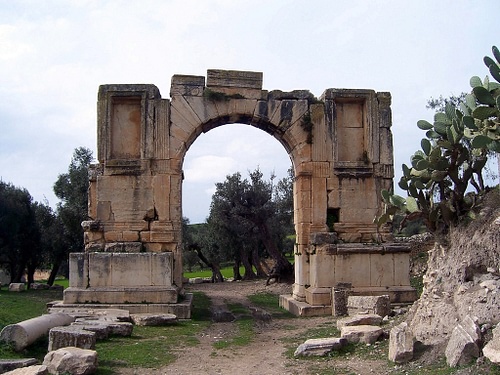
x=24, y=333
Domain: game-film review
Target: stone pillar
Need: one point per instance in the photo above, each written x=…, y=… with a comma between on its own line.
x=340, y=295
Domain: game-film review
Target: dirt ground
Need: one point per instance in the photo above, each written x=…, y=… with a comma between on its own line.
x=265, y=355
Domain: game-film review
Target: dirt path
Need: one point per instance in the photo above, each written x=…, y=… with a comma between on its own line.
x=265, y=355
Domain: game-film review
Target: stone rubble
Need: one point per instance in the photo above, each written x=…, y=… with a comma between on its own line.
x=401, y=344
x=463, y=345
x=71, y=360
x=492, y=348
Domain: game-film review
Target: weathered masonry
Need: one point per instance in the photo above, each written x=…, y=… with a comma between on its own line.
x=341, y=149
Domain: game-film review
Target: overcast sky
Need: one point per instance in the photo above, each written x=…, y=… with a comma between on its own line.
x=55, y=54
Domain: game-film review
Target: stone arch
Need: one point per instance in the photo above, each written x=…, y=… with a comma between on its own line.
x=341, y=149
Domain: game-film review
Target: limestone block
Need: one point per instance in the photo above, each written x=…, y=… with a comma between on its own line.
x=319, y=347
x=463, y=344
x=492, y=348
x=365, y=333
x=401, y=344
x=318, y=296
x=101, y=330
x=17, y=287
x=61, y=337
x=380, y=305
x=30, y=370
x=12, y=364
x=120, y=328
x=71, y=360
x=153, y=319
x=340, y=294
x=358, y=320
x=24, y=333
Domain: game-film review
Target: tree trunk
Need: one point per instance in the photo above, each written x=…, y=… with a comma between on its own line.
x=236, y=270
x=216, y=274
x=249, y=274
x=30, y=274
x=53, y=273
x=283, y=266
x=257, y=263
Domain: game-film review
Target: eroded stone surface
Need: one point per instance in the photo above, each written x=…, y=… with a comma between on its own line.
x=71, y=360
x=61, y=337
x=364, y=333
x=401, y=344
x=463, y=344
x=319, y=347
x=153, y=319
x=357, y=320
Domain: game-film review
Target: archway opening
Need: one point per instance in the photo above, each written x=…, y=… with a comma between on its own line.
x=215, y=156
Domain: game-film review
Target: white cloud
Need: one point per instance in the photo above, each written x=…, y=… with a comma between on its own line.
x=209, y=168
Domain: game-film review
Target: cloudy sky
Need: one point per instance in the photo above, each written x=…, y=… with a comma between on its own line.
x=54, y=54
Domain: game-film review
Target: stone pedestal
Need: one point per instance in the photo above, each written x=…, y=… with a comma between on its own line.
x=138, y=282
x=371, y=269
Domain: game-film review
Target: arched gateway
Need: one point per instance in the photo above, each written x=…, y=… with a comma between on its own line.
x=341, y=149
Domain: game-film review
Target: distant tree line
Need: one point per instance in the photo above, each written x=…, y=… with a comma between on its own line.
x=35, y=236
x=250, y=219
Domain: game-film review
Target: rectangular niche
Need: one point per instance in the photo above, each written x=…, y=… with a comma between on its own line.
x=351, y=131
x=126, y=127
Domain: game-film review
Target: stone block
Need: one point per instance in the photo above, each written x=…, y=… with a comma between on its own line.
x=71, y=360
x=319, y=347
x=358, y=320
x=365, y=334
x=492, y=349
x=101, y=330
x=380, y=305
x=401, y=344
x=318, y=296
x=30, y=370
x=12, y=364
x=463, y=345
x=153, y=319
x=17, y=287
x=340, y=294
x=62, y=337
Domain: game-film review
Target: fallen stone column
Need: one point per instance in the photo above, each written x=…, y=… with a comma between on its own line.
x=24, y=333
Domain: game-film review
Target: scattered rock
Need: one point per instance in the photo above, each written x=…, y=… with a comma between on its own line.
x=221, y=314
x=71, y=360
x=75, y=336
x=401, y=344
x=39, y=286
x=380, y=305
x=358, y=320
x=492, y=348
x=153, y=319
x=17, y=287
x=463, y=344
x=319, y=347
x=30, y=370
x=261, y=314
x=12, y=364
x=364, y=333
x=101, y=330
